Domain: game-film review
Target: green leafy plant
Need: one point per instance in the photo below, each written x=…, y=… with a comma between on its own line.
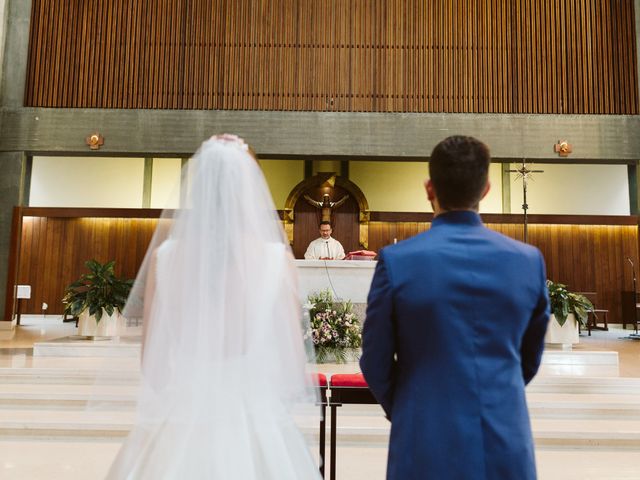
x=97, y=291
x=333, y=327
x=563, y=302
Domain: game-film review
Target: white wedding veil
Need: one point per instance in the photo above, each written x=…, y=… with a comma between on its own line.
x=223, y=361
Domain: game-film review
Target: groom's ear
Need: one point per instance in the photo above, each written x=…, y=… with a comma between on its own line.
x=431, y=192
x=487, y=187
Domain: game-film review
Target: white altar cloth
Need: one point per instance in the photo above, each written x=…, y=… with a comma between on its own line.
x=351, y=279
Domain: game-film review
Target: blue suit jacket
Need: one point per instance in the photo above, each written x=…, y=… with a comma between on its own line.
x=455, y=327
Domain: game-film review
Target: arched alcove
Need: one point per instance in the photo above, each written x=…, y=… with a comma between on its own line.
x=350, y=219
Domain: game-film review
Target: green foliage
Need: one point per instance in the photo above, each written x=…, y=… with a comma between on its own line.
x=100, y=289
x=333, y=327
x=563, y=302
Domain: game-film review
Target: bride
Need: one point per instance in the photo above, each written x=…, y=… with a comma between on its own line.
x=223, y=362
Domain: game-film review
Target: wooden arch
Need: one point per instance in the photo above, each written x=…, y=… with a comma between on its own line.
x=328, y=180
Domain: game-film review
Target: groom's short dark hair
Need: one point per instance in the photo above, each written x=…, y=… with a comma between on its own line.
x=458, y=168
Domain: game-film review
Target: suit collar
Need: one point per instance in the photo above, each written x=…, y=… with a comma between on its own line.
x=460, y=217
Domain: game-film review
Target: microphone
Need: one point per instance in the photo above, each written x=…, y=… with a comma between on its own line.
x=328, y=252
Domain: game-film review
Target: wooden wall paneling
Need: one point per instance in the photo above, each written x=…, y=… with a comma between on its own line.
x=204, y=61
x=612, y=256
x=503, y=86
x=540, y=57
x=592, y=70
x=577, y=258
x=97, y=43
x=447, y=63
x=552, y=21
x=189, y=14
x=56, y=249
x=596, y=49
x=136, y=62
x=48, y=44
x=619, y=40
x=529, y=66
x=519, y=54
x=26, y=239
x=111, y=79
x=494, y=66
x=209, y=58
x=50, y=242
x=459, y=22
x=601, y=263
x=126, y=41
x=107, y=78
x=557, y=252
x=625, y=41
x=583, y=58
x=548, y=64
x=88, y=68
x=571, y=57
x=13, y=264
x=34, y=268
x=633, y=52
x=169, y=19
x=526, y=56
x=603, y=52
x=32, y=52
x=619, y=258
x=66, y=33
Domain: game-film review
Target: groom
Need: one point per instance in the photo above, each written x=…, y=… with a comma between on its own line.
x=454, y=330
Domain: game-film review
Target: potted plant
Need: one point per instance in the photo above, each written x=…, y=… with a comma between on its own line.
x=97, y=298
x=334, y=329
x=567, y=309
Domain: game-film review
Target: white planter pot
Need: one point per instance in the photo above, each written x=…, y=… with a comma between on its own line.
x=566, y=335
x=108, y=326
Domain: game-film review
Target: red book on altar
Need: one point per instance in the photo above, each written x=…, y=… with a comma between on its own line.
x=361, y=255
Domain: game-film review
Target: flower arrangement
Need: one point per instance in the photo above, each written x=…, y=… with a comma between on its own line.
x=333, y=327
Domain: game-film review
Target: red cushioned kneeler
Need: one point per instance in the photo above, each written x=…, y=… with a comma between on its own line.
x=345, y=389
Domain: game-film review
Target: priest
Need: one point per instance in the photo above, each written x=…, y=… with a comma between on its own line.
x=325, y=247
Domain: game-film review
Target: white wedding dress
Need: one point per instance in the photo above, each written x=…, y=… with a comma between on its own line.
x=224, y=362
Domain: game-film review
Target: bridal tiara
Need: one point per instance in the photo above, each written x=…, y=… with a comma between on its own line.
x=230, y=139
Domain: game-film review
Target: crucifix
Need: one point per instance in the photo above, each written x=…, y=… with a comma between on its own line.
x=525, y=173
x=325, y=205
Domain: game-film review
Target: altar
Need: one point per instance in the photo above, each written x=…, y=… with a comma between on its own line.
x=346, y=279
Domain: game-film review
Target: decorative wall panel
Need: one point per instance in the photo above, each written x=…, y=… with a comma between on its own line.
x=477, y=56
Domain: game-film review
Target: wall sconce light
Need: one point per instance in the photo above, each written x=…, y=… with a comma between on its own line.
x=95, y=141
x=563, y=148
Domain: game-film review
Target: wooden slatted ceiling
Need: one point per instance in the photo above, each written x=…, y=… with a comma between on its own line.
x=475, y=56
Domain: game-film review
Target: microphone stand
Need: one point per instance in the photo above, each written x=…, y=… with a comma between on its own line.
x=326, y=267
x=634, y=335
